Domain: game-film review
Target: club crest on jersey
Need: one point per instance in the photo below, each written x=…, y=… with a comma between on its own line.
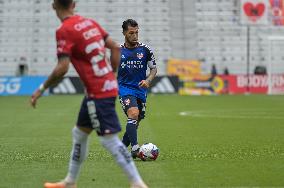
x=140, y=55
x=127, y=102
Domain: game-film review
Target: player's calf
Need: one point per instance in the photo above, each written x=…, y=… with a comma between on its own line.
x=122, y=156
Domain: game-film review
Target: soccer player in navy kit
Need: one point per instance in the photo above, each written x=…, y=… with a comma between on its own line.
x=133, y=82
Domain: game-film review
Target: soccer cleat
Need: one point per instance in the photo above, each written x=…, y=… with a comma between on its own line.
x=135, y=154
x=61, y=184
x=138, y=185
x=135, y=151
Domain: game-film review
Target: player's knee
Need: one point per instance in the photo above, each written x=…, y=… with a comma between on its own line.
x=109, y=140
x=133, y=113
x=78, y=134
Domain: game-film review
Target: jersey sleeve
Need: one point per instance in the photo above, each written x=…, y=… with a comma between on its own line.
x=151, y=60
x=64, y=43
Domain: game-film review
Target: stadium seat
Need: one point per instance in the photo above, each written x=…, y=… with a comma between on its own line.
x=201, y=29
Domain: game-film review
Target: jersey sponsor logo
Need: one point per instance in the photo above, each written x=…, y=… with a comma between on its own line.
x=82, y=25
x=132, y=64
x=123, y=65
x=109, y=85
x=140, y=55
x=163, y=86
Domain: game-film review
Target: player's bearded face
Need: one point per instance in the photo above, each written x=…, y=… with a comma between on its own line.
x=131, y=35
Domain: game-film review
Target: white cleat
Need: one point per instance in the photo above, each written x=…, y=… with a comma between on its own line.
x=139, y=185
x=61, y=184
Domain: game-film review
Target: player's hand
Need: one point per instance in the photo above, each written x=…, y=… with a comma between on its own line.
x=37, y=94
x=144, y=84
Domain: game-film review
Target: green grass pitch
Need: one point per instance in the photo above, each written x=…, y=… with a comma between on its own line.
x=208, y=141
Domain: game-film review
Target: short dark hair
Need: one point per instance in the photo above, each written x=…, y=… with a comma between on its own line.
x=64, y=3
x=129, y=22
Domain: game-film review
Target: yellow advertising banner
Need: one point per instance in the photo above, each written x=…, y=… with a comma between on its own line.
x=179, y=67
x=201, y=85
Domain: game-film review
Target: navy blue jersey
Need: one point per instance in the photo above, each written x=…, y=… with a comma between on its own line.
x=133, y=68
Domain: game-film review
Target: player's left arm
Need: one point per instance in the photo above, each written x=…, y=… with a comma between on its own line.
x=115, y=53
x=146, y=83
x=153, y=71
x=151, y=75
x=56, y=76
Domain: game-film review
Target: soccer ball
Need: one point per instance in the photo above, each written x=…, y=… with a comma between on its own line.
x=148, y=152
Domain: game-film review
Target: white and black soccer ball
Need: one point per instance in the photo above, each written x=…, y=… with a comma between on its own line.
x=148, y=152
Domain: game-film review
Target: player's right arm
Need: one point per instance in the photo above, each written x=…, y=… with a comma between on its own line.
x=115, y=52
x=64, y=46
x=59, y=71
x=56, y=76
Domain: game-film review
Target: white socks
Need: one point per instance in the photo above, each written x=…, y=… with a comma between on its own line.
x=112, y=143
x=122, y=156
x=78, y=154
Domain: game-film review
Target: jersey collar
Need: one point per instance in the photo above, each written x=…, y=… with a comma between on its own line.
x=137, y=45
x=68, y=17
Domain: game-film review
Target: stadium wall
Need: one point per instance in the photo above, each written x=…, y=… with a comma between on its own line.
x=201, y=85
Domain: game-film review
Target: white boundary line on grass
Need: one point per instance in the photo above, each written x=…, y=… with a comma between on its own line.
x=222, y=114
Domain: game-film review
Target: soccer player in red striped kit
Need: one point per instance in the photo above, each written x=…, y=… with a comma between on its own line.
x=83, y=42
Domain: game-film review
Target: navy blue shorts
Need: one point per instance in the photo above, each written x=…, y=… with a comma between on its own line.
x=99, y=115
x=129, y=101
